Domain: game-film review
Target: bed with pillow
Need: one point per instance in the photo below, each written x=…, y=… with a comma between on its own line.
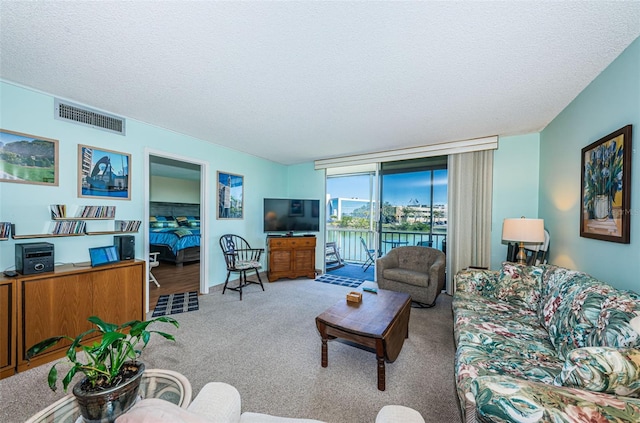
x=175, y=235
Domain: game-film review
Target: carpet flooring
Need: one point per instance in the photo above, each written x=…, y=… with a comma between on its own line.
x=339, y=280
x=268, y=347
x=176, y=303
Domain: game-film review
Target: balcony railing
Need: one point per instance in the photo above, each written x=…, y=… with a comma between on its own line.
x=351, y=249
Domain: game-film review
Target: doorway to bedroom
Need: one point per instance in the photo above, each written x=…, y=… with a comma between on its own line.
x=175, y=226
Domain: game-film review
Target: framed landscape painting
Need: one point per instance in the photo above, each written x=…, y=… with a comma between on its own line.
x=28, y=159
x=103, y=173
x=606, y=191
x=230, y=196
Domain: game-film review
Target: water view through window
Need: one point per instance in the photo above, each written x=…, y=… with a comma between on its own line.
x=413, y=198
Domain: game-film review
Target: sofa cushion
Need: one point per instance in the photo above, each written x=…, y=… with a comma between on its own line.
x=553, y=279
x=602, y=369
x=589, y=313
x=248, y=417
x=509, y=399
x=520, y=284
x=398, y=414
x=480, y=282
x=407, y=276
x=154, y=410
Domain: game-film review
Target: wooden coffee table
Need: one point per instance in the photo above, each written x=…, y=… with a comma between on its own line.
x=380, y=324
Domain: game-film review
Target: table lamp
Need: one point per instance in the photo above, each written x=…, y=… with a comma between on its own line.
x=523, y=230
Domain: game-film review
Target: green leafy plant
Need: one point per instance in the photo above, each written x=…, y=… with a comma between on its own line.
x=104, y=360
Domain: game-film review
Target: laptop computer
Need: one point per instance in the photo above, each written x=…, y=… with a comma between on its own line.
x=103, y=255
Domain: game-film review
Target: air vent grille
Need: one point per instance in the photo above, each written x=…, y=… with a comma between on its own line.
x=85, y=116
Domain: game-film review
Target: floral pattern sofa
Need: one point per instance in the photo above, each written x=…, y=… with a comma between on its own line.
x=545, y=344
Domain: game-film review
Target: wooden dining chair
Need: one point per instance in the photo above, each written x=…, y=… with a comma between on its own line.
x=242, y=259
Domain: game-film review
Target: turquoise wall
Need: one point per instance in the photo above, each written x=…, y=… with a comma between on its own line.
x=515, y=186
x=610, y=102
x=31, y=112
x=534, y=174
x=306, y=182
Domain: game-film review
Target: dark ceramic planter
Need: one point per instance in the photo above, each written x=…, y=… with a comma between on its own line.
x=105, y=406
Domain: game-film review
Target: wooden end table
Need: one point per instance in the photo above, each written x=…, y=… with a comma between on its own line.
x=380, y=324
x=164, y=384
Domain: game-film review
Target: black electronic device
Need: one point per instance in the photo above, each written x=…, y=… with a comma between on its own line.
x=34, y=257
x=103, y=255
x=291, y=215
x=126, y=246
x=10, y=273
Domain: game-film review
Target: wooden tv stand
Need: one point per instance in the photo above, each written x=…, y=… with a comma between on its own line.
x=291, y=257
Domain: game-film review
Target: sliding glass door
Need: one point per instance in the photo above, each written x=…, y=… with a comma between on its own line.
x=351, y=212
x=413, y=198
x=385, y=206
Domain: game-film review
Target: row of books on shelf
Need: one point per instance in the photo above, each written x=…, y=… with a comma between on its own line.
x=59, y=211
x=127, y=225
x=97, y=211
x=5, y=229
x=69, y=227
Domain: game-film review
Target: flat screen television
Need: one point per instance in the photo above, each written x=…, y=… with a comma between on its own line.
x=291, y=215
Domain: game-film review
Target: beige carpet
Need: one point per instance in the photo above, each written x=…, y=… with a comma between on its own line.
x=268, y=347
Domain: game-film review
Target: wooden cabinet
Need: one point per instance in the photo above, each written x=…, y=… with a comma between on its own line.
x=59, y=303
x=291, y=257
x=7, y=327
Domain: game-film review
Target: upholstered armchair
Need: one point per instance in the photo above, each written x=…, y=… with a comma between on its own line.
x=418, y=271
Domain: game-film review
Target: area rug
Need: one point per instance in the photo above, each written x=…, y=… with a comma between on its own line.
x=176, y=303
x=339, y=280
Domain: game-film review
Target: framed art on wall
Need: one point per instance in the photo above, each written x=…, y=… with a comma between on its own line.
x=606, y=187
x=28, y=159
x=230, y=195
x=103, y=173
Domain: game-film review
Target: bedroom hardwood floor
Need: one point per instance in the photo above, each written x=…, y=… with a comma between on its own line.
x=173, y=280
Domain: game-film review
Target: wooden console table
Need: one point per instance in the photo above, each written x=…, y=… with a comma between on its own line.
x=291, y=257
x=60, y=302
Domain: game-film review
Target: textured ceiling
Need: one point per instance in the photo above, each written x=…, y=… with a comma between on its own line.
x=298, y=81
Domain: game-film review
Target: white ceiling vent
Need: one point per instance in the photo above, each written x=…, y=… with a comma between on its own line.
x=67, y=111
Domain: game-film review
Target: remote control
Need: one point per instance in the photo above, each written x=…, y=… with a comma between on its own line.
x=10, y=273
x=374, y=290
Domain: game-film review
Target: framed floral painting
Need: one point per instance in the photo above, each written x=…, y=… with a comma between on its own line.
x=606, y=188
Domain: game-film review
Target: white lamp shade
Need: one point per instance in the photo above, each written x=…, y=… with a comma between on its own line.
x=523, y=230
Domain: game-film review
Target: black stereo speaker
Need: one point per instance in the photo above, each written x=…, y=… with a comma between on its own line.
x=126, y=246
x=34, y=257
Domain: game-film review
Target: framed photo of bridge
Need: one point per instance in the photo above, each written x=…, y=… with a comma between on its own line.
x=28, y=159
x=103, y=173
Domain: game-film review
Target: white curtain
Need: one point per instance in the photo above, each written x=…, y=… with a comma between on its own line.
x=469, y=215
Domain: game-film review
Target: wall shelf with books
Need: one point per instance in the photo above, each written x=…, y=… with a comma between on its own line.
x=121, y=227
x=76, y=223
x=30, y=236
x=59, y=212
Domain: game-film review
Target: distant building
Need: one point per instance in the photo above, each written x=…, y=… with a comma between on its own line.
x=422, y=213
x=338, y=207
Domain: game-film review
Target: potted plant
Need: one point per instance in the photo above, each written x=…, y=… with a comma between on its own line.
x=112, y=371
